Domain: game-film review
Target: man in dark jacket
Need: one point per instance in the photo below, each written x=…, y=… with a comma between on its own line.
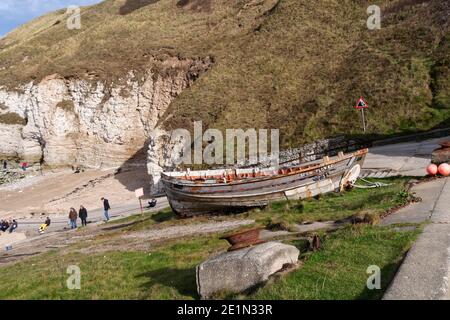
x=82, y=213
x=106, y=208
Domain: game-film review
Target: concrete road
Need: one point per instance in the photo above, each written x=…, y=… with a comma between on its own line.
x=407, y=159
x=30, y=226
x=425, y=272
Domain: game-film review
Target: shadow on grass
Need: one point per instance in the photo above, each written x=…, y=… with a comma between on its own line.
x=9, y=258
x=158, y=217
x=122, y=225
x=182, y=280
x=162, y=216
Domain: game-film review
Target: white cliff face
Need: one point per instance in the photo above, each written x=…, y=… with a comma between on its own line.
x=79, y=122
x=11, y=139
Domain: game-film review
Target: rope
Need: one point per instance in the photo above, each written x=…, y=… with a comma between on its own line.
x=371, y=185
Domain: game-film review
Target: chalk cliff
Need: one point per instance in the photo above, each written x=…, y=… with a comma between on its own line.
x=93, y=124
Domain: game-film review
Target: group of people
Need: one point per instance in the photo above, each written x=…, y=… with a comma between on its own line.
x=73, y=216
x=22, y=165
x=83, y=214
x=10, y=225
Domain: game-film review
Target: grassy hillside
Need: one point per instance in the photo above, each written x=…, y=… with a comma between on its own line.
x=296, y=65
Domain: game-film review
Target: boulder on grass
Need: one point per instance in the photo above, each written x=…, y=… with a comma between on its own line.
x=237, y=271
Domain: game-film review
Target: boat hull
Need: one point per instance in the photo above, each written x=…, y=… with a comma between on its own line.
x=189, y=199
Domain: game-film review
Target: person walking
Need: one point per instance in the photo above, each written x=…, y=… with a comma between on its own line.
x=73, y=218
x=106, y=208
x=82, y=213
x=24, y=166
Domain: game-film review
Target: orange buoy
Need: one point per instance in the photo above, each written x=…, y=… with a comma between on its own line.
x=444, y=169
x=432, y=169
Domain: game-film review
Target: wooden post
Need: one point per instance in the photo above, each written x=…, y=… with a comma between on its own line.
x=363, y=119
x=139, y=194
x=140, y=203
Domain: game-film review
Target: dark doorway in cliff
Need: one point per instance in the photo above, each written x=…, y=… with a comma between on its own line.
x=133, y=173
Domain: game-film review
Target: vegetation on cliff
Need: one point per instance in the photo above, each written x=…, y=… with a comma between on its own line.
x=12, y=118
x=295, y=65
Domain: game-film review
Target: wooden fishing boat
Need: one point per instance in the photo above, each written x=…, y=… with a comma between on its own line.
x=193, y=193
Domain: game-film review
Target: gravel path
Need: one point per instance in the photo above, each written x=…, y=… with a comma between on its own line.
x=187, y=230
x=129, y=241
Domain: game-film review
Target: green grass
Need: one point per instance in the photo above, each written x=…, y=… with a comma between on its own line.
x=167, y=270
x=160, y=219
x=148, y=217
x=335, y=206
x=168, y=273
x=338, y=270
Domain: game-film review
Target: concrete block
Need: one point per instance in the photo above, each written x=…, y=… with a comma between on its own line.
x=237, y=271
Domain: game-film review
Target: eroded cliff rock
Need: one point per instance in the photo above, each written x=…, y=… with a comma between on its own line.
x=90, y=123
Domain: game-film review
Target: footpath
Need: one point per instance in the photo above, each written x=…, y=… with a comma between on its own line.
x=425, y=272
